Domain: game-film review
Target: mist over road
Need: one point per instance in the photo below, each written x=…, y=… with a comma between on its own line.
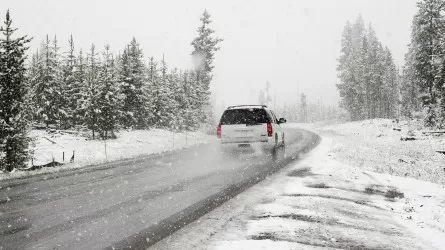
x=132, y=202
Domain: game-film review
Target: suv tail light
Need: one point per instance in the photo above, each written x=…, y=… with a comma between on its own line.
x=269, y=129
x=218, y=131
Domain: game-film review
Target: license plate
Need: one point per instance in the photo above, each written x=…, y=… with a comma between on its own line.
x=244, y=131
x=244, y=145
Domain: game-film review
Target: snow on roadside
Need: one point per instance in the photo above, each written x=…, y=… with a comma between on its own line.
x=376, y=145
x=87, y=152
x=321, y=202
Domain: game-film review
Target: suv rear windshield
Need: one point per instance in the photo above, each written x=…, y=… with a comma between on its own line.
x=244, y=116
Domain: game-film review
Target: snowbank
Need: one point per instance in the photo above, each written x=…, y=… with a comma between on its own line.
x=376, y=145
x=49, y=146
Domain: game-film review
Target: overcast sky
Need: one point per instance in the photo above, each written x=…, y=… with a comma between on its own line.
x=292, y=44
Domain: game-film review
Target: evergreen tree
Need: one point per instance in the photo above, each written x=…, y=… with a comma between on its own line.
x=352, y=69
x=46, y=86
x=154, y=92
x=390, y=90
x=191, y=100
x=166, y=100
x=374, y=76
x=70, y=90
x=368, y=77
x=409, y=88
x=13, y=125
x=90, y=107
x=194, y=92
x=60, y=96
x=31, y=78
x=176, y=97
x=427, y=28
x=78, y=90
x=204, y=47
x=132, y=77
x=345, y=72
x=108, y=98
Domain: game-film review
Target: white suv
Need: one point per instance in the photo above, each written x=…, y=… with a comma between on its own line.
x=250, y=127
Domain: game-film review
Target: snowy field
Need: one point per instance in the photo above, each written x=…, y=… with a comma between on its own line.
x=374, y=145
x=330, y=201
x=129, y=144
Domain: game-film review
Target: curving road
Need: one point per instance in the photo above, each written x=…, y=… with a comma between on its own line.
x=131, y=203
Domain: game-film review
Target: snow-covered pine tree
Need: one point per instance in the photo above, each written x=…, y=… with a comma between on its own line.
x=179, y=96
x=153, y=91
x=360, y=69
x=373, y=75
x=78, y=91
x=31, y=78
x=194, y=92
x=163, y=101
x=70, y=90
x=204, y=47
x=363, y=66
x=90, y=107
x=361, y=82
x=345, y=71
x=358, y=32
x=60, y=96
x=166, y=100
x=409, y=89
x=133, y=82
x=440, y=85
x=176, y=96
x=427, y=30
x=191, y=118
x=109, y=99
x=390, y=90
x=13, y=125
x=352, y=69
x=46, y=85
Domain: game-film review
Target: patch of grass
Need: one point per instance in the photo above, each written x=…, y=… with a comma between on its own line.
x=265, y=236
x=373, y=190
x=318, y=185
x=302, y=172
x=393, y=193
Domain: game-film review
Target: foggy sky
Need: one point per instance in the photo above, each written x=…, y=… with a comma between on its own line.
x=292, y=44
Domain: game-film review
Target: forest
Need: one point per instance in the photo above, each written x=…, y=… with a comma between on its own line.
x=97, y=90
x=372, y=86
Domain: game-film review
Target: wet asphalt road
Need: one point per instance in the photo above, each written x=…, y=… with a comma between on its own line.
x=131, y=203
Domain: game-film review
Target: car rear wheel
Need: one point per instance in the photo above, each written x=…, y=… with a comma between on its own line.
x=274, y=150
x=278, y=152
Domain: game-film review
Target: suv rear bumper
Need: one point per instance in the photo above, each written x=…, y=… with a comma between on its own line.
x=247, y=146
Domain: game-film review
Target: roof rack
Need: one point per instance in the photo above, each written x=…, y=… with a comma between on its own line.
x=235, y=106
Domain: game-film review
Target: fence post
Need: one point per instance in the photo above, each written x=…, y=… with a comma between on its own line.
x=72, y=157
x=105, y=145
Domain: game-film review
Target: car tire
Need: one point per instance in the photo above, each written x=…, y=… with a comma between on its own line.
x=274, y=150
x=279, y=151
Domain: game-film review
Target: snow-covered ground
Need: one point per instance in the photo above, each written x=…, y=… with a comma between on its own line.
x=87, y=152
x=324, y=202
x=374, y=145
